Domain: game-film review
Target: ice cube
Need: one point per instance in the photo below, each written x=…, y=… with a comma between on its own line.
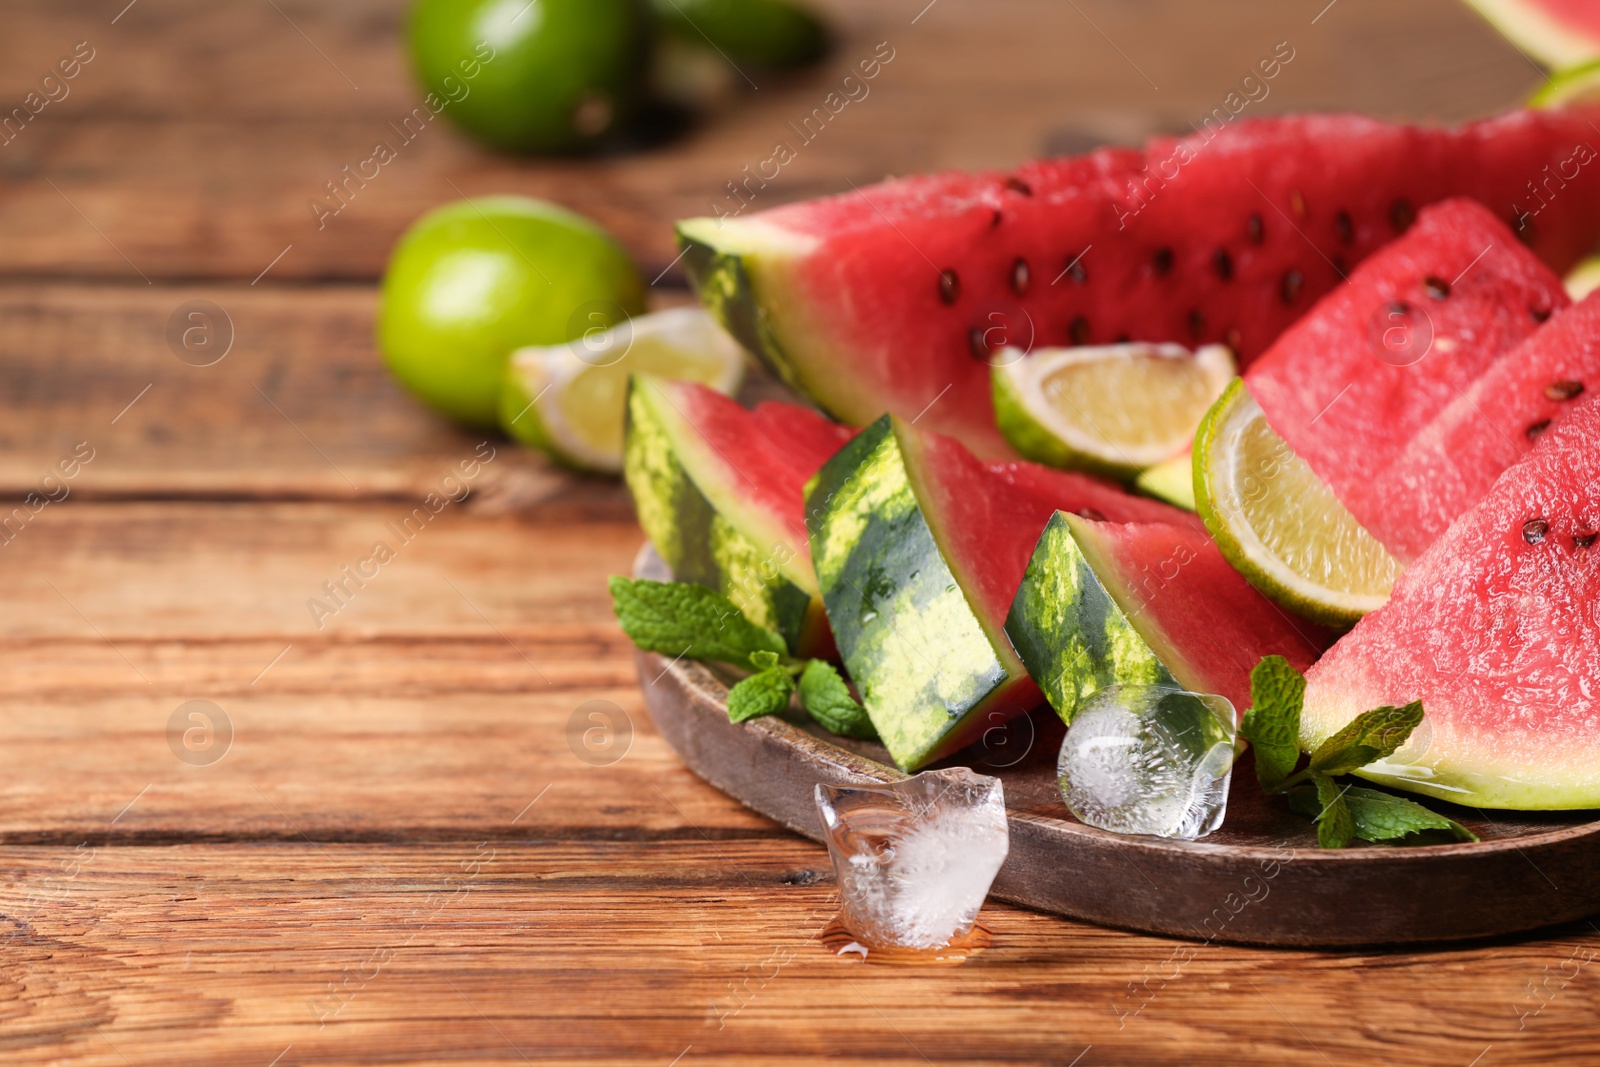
x=1142, y=759
x=915, y=858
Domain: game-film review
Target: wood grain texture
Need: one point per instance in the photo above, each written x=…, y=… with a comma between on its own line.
x=303, y=900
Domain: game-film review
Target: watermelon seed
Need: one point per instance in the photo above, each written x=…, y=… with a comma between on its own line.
x=1563, y=390
x=1020, y=276
x=1540, y=314
x=1197, y=323
x=1402, y=215
x=1017, y=185
x=1346, y=228
x=1298, y=203
x=977, y=343
x=1437, y=287
x=1163, y=261
x=1290, y=289
x=1075, y=268
x=1534, y=530
x=994, y=223
x=949, y=286
x=1257, y=228
x=1078, y=330
x=1584, y=540
x=1223, y=263
x=1537, y=428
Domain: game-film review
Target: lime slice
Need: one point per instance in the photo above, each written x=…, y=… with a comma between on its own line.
x=1172, y=481
x=1278, y=523
x=1112, y=409
x=1575, y=85
x=570, y=400
x=1584, y=278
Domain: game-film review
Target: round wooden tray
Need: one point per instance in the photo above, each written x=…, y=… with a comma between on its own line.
x=1260, y=879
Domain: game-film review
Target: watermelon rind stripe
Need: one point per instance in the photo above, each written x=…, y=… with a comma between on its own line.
x=1536, y=34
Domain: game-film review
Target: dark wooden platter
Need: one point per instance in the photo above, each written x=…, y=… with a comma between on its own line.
x=1260, y=879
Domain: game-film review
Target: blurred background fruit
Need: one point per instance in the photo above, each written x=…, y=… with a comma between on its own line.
x=472, y=281
x=763, y=33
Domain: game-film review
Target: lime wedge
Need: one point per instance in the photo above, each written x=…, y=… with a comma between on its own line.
x=1112, y=409
x=1278, y=523
x=1584, y=278
x=1575, y=85
x=1172, y=481
x=570, y=400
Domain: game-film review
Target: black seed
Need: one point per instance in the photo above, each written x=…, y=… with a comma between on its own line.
x=1233, y=339
x=1437, y=287
x=1289, y=289
x=1123, y=339
x=1163, y=261
x=949, y=286
x=977, y=343
x=1017, y=185
x=1537, y=428
x=1257, y=229
x=1523, y=226
x=1020, y=276
x=1584, y=540
x=994, y=223
x=1297, y=202
x=1402, y=215
x=1563, y=390
x=1346, y=228
x=1197, y=324
x=1540, y=314
x=1076, y=272
x=1092, y=514
x=1078, y=330
x=1224, y=264
x=1534, y=530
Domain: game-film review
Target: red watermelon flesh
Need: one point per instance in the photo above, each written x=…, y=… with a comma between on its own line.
x=892, y=297
x=1455, y=460
x=1379, y=358
x=987, y=517
x=1495, y=630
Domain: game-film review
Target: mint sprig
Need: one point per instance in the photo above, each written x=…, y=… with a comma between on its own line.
x=689, y=621
x=1342, y=812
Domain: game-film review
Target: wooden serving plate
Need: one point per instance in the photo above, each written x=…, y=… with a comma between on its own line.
x=1260, y=879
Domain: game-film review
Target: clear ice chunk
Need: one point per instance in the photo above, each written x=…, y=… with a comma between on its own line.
x=1143, y=759
x=915, y=859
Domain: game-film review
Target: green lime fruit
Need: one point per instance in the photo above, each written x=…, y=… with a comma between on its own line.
x=763, y=33
x=470, y=282
x=533, y=75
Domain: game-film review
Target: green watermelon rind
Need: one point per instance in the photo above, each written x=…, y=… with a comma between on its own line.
x=1072, y=631
x=1536, y=34
x=701, y=529
x=928, y=670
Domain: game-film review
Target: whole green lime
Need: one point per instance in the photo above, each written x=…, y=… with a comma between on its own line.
x=470, y=282
x=533, y=75
x=764, y=33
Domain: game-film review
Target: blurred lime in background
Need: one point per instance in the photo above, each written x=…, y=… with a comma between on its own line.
x=472, y=281
x=763, y=33
x=533, y=75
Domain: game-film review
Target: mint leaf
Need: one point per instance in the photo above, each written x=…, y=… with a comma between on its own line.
x=827, y=699
x=1385, y=817
x=764, y=693
x=1373, y=735
x=1335, y=825
x=1272, y=725
x=691, y=621
x=764, y=660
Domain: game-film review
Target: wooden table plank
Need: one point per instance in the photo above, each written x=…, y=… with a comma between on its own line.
x=496, y=952
x=173, y=159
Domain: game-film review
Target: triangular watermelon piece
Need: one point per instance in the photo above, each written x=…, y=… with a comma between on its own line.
x=1496, y=421
x=1494, y=630
x=1106, y=603
x=720, y=492
x=893, y=296
x=1558, y=33
x=919, y=550
x=1350, y=385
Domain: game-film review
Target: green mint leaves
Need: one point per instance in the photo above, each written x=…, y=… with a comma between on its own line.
x=692, y=622
x=1343, y=812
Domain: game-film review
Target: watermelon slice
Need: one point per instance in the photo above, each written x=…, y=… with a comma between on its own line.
x=720, y=492
x=1558, y=33
x=892, y=297
x=1350, y=385
x=1494, y=630
x=919, y=550
x=1144, y=603
x=1456, y=458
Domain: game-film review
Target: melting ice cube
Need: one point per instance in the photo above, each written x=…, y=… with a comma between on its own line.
x=915, y=859
x=1141, y=759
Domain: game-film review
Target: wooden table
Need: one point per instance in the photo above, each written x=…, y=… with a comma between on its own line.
x=406, y=853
